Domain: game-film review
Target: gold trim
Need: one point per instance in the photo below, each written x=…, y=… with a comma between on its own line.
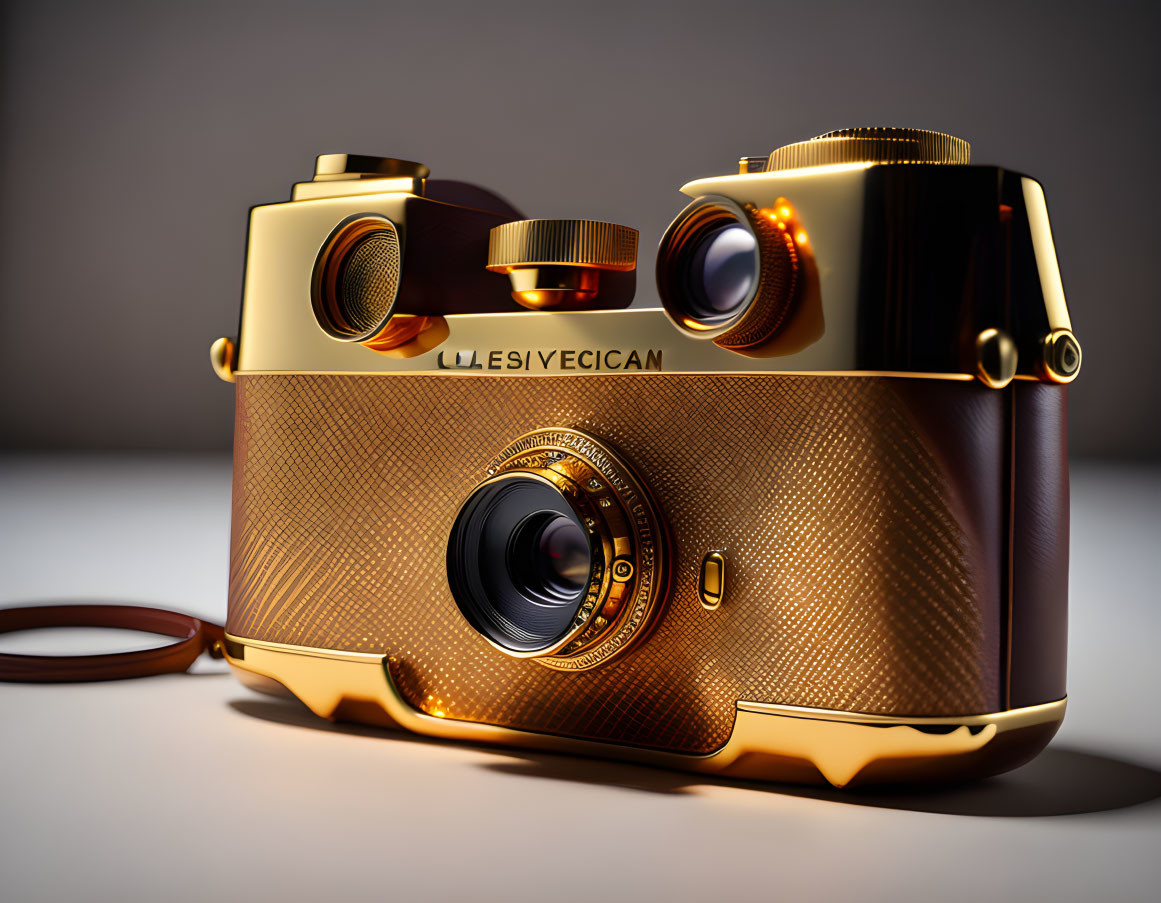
x=964, y=377
x=340, y=187
x=865, y=374
x=360, y=166
x=769, y=742
x=1044, y=251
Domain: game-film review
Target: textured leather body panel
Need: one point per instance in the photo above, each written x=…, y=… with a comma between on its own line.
x=864, y=564
x=1039, y=621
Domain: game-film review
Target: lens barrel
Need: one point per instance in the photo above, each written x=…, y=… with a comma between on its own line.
x=727, y=273
x=722, y=272
x=560, y=554
x=549, y=557
x=519, y=562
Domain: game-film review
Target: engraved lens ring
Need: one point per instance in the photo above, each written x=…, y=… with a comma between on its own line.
x=559, y=555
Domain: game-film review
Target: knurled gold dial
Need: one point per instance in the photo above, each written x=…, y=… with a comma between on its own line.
x=872, y=145
x=569, y=242
x=555, y=263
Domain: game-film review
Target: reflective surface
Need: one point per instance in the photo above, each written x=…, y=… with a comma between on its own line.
x=722, y=272
x=518, y=563
x=880, y=269
x=562, y=525
x=767, y=742
x=548, y=557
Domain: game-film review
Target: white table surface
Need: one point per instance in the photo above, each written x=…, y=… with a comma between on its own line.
x=194, y=788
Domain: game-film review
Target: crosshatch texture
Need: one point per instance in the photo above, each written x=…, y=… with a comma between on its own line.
x=863, y=573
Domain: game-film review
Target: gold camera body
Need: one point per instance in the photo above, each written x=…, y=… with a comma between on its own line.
x=808, y=522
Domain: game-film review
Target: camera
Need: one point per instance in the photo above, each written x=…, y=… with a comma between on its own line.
x=806, y=521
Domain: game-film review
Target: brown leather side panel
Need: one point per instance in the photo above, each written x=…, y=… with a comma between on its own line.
x=862, y=561
x=969, y=440
x=1039, y=619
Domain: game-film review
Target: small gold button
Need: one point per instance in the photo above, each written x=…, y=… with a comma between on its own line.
x=711, y=586
x=222, y=358
x=622, y=570
x=995, y=358
x=752, y=164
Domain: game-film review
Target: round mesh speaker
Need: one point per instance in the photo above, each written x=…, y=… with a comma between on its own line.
x=370, y=276
x=357, y=278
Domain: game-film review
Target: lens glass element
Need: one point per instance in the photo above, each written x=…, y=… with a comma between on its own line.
x=548, y=557
x=519, y=563
x=723, y=270
x=709, y=266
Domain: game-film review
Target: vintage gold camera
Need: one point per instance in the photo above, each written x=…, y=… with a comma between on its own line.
x=808, y=521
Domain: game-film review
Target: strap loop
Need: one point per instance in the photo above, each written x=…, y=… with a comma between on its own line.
x=195, y=636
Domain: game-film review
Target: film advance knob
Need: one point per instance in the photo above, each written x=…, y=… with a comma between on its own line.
x=556, y=263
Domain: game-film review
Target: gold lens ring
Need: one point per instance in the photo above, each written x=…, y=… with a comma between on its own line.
x=628, y=584
x=770, y=301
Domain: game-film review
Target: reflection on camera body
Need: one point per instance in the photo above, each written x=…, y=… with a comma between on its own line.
x=807, y=521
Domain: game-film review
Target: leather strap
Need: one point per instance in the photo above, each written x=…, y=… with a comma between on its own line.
x=194, y=637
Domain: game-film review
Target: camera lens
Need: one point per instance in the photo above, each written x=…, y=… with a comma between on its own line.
x=709, y=265
x=548, y=557
x=560, y=554
x=727, y=273
x=519, y=563
x=723, y=271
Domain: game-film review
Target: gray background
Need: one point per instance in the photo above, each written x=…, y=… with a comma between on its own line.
x=136, y=136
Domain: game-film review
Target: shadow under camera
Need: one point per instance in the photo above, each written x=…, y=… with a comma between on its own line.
x=1060, y=781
